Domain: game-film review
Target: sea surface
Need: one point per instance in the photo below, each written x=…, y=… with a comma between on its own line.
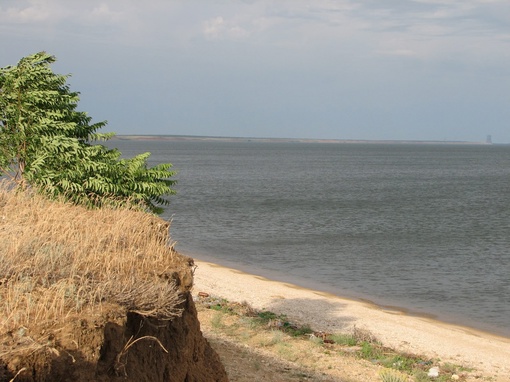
x=422, y=227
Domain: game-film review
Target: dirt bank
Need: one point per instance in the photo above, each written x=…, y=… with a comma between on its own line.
x=95, y=295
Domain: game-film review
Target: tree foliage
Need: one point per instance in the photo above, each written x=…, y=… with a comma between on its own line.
x=49, y=146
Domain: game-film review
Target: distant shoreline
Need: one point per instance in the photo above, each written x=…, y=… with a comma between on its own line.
x=287, y=140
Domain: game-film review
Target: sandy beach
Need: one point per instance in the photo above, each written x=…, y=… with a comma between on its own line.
x=487, y=353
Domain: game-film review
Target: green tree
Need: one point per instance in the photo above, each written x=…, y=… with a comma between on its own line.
x=47, y=145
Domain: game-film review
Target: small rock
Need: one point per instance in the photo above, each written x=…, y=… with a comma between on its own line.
x=203, y=294
x=455, y=377
x=433, y=372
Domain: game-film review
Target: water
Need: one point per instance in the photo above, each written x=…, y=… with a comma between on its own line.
x=422, y=227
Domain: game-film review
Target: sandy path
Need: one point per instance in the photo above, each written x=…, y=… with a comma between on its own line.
x=487, y=353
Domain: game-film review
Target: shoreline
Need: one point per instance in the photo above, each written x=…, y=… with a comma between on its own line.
x=394, y=327
x=347, y=295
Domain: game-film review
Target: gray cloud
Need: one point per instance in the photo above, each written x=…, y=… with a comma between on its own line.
x=379, y=69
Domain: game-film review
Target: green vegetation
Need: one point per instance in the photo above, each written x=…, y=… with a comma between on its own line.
x=45, y=144
x=391, y=376
x=344, y=339
x=243, y=322
x=282, y=323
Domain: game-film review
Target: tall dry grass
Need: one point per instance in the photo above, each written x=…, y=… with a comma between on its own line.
x=57, y=259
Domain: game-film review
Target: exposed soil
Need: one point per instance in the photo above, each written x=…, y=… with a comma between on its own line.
x=168, y=351
x=110, y=347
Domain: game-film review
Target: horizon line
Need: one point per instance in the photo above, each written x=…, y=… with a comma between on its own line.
x=296, y=140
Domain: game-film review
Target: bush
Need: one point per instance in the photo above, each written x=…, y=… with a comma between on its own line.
x=46, y=144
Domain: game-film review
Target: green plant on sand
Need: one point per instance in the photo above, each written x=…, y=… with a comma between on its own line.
x=387, y=375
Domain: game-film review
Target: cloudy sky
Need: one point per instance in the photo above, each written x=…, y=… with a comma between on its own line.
x=342, y=69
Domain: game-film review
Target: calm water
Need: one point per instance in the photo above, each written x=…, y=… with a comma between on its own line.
x=423, y=227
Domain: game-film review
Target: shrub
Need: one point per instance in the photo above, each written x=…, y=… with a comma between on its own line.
x=46, y=144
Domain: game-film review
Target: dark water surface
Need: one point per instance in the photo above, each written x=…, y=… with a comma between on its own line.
x=422, y=227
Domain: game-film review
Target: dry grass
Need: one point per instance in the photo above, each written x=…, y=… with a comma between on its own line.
x=57, y=260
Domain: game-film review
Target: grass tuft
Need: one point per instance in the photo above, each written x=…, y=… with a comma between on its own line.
x=387, y=375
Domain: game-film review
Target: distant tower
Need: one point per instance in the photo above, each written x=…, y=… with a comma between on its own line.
x=489, y=139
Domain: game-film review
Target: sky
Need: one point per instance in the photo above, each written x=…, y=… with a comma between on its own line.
x=342, y=69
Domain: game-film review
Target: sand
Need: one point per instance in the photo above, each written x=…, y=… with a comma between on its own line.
x=488, y=353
